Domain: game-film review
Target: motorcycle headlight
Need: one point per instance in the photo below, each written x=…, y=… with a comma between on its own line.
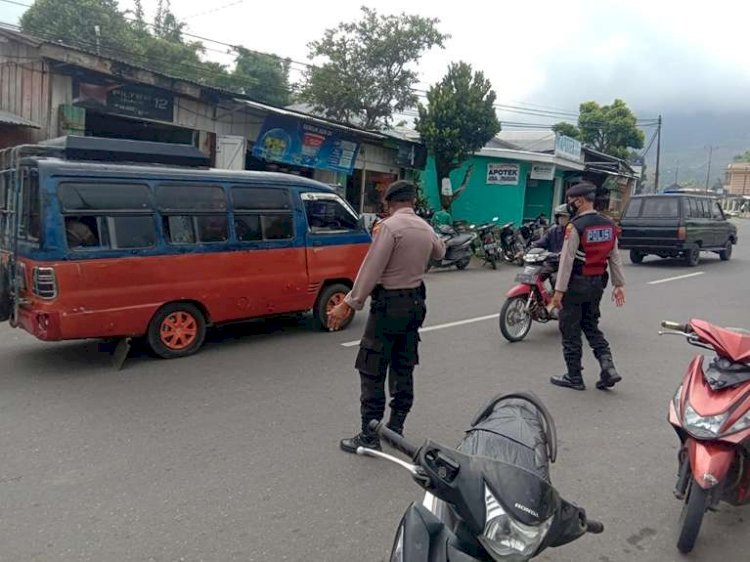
x=506, y=539
x=702, y=427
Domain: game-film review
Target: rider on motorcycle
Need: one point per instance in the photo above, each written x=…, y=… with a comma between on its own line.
x=552, y=241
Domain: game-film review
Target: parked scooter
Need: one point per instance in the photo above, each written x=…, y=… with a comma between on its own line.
x=491, y=498
x=458, y=248
x=489, y=243
x=711, y=413
x=528, y=300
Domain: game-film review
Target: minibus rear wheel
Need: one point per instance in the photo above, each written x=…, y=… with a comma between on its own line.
x=177, y=330
x=329, y=297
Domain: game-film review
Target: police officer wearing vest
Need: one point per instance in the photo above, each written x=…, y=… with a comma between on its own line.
x=590, y=245
x=392, y=275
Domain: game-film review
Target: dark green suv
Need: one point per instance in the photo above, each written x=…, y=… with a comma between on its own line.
x=676, y=225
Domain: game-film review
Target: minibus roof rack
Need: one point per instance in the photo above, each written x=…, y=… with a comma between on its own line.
x=100, y=149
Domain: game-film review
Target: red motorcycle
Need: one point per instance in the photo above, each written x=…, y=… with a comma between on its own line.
x=528, y=300
x=711, y=413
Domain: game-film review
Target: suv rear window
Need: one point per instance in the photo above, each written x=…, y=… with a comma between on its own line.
x=660, y=207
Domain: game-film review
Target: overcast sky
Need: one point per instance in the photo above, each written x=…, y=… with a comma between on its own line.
x=661, y=56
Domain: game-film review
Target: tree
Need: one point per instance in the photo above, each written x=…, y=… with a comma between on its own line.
x=567, y=129
x=75, y=22
x=368, y=70
x=458, y=120
x=261, y=76
x=743, y=157
x=611, y=129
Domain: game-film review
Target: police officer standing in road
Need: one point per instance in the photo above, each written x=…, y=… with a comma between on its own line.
x=590, y=244
x=392, y=275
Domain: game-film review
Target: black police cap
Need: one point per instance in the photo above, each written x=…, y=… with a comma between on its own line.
x=401, y=191
x=581, y=189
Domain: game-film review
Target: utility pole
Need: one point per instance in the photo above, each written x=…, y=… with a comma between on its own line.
x=658, y=156
x=677, y=171
x=708, y=172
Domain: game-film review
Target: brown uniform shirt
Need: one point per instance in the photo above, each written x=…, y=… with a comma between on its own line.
x=397, y=257
x=568, y=257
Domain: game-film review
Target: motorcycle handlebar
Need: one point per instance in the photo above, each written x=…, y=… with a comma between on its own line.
x=394, y=439
x=676, y=326
x=594, y=527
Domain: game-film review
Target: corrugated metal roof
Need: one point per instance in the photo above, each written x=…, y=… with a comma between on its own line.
x=534, y=141
x=8, y=118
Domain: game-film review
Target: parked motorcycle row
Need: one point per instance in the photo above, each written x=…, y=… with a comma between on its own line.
x=491, y=497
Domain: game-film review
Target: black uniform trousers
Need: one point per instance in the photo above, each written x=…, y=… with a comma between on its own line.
x=390, y=348
x=580, y=313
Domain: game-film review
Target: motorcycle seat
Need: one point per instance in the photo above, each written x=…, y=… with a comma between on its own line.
x=458, y=240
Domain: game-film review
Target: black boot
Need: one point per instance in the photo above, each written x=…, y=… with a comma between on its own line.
x=366, y=438
x=396, y=421
x=609, y=376
x=571, y=379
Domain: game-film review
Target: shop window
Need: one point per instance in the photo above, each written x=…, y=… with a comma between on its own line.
x=329, y=215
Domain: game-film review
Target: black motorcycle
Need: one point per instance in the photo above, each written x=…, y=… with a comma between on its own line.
x=488, y=243
x=458, y=248
x=489, y=499
x=511, y=245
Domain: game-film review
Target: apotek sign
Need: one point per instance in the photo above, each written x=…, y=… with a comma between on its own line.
x=503, y=174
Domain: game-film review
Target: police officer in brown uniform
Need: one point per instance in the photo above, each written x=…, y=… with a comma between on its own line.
x=392, y=275
x=590, y=245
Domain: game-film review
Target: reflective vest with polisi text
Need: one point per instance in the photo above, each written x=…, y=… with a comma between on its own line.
x=597, y=238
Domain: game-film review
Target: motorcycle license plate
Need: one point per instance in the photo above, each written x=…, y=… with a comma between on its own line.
x=491, y=246
x=529, y=275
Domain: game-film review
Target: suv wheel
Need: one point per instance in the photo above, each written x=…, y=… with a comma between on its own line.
x=726, y=253
x=693, y=256
x=636, y=256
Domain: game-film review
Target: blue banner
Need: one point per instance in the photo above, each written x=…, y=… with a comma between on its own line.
x=293, y=141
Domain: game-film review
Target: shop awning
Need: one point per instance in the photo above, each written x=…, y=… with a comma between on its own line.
x=8, y=118
x=528, y=156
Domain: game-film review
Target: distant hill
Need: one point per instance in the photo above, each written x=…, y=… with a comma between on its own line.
x=685, y=141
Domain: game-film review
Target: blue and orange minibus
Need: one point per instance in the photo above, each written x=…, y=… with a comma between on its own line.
x=109, y=238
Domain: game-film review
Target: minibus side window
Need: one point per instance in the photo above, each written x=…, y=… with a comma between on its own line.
x=193, y=214
x=262, y=213
x=328, y=214
x=107, y=215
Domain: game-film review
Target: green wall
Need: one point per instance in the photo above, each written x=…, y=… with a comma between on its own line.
x=481, y=202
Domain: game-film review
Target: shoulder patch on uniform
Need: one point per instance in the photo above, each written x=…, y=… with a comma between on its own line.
x=568, y=229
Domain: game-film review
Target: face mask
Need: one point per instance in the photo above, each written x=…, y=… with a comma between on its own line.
x=572, y=208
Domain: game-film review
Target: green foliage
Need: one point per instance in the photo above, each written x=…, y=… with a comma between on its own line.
x=743, y=157
x=611, y=129
x=568, y=130
x=458, y=120
x=159, y=46
x=368, y=70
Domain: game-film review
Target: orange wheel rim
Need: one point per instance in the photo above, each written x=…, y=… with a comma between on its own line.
x=179, y=330
x=334, y=301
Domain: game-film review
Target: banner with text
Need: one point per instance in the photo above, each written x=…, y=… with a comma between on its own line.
x=293, y=141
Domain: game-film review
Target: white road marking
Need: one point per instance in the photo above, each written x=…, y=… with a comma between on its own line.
x=668, y=279
x=440, y=326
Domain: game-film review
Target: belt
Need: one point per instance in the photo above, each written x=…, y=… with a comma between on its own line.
x=414, y=291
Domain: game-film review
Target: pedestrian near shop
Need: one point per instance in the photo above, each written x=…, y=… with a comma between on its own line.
x=590, y=246
x=392, y=274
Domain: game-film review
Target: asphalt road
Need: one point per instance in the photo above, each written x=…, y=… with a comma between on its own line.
x=233, y=454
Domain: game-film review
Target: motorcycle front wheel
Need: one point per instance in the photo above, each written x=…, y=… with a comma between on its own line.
x=515, y=321
x=691, y=517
